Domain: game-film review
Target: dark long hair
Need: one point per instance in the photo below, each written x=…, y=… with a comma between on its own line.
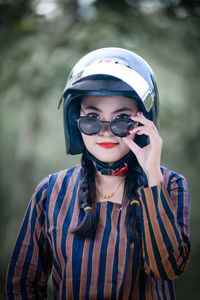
x=87, y=196
x=134, y=179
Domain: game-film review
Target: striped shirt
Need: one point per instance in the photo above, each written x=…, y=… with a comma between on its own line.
x=107, y=266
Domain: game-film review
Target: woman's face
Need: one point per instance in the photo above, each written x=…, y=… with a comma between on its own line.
x=105, y=146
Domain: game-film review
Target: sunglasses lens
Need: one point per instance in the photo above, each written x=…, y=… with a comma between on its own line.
x=120, y=127
x=89, y=125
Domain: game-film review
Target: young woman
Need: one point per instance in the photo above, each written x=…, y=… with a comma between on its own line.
x=117, y=226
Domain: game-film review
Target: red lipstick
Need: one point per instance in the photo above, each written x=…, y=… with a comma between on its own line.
x=107, y=145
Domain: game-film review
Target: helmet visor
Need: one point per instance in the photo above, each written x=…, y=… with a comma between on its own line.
x=120, y=72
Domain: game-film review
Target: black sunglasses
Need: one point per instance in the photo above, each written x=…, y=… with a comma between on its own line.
x=91, y=126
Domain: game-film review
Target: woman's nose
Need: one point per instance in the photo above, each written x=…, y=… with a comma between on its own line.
x=105, y=129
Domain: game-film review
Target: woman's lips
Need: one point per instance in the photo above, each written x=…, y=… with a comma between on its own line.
x=107, y=145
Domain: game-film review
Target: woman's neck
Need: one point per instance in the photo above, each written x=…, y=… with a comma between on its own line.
x=111, y=178
x=109, y=188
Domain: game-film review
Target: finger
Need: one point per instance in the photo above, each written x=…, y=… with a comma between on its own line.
x=141, y=127
x=131, y=144
x=130, y=131
x=154, y=136
x=140, y=118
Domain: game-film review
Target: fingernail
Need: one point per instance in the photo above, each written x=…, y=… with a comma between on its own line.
x=132, y=115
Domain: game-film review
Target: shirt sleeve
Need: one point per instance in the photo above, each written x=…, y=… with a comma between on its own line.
x=31, y=260
x=165, y=211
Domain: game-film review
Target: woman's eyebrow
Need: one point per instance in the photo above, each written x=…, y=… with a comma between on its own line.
x=123, y=109
x=92, y=108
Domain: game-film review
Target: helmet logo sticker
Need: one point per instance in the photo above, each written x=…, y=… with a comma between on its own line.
x=113, y=60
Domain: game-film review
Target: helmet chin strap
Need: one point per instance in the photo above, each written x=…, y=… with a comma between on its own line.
x=118, y=168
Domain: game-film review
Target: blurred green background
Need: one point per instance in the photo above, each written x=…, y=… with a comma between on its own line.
x=40, y=42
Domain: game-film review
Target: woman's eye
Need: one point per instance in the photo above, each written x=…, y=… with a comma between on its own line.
x=93, y=115
x=123, y=116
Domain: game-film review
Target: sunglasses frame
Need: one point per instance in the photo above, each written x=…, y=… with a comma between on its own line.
x=78, y=119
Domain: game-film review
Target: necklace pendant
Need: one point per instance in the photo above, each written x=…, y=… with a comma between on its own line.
x=107, y=196
x=104, y=196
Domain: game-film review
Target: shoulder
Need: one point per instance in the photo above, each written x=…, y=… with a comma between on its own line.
x=66, y=174
x=59, y=179
x=172, y=178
